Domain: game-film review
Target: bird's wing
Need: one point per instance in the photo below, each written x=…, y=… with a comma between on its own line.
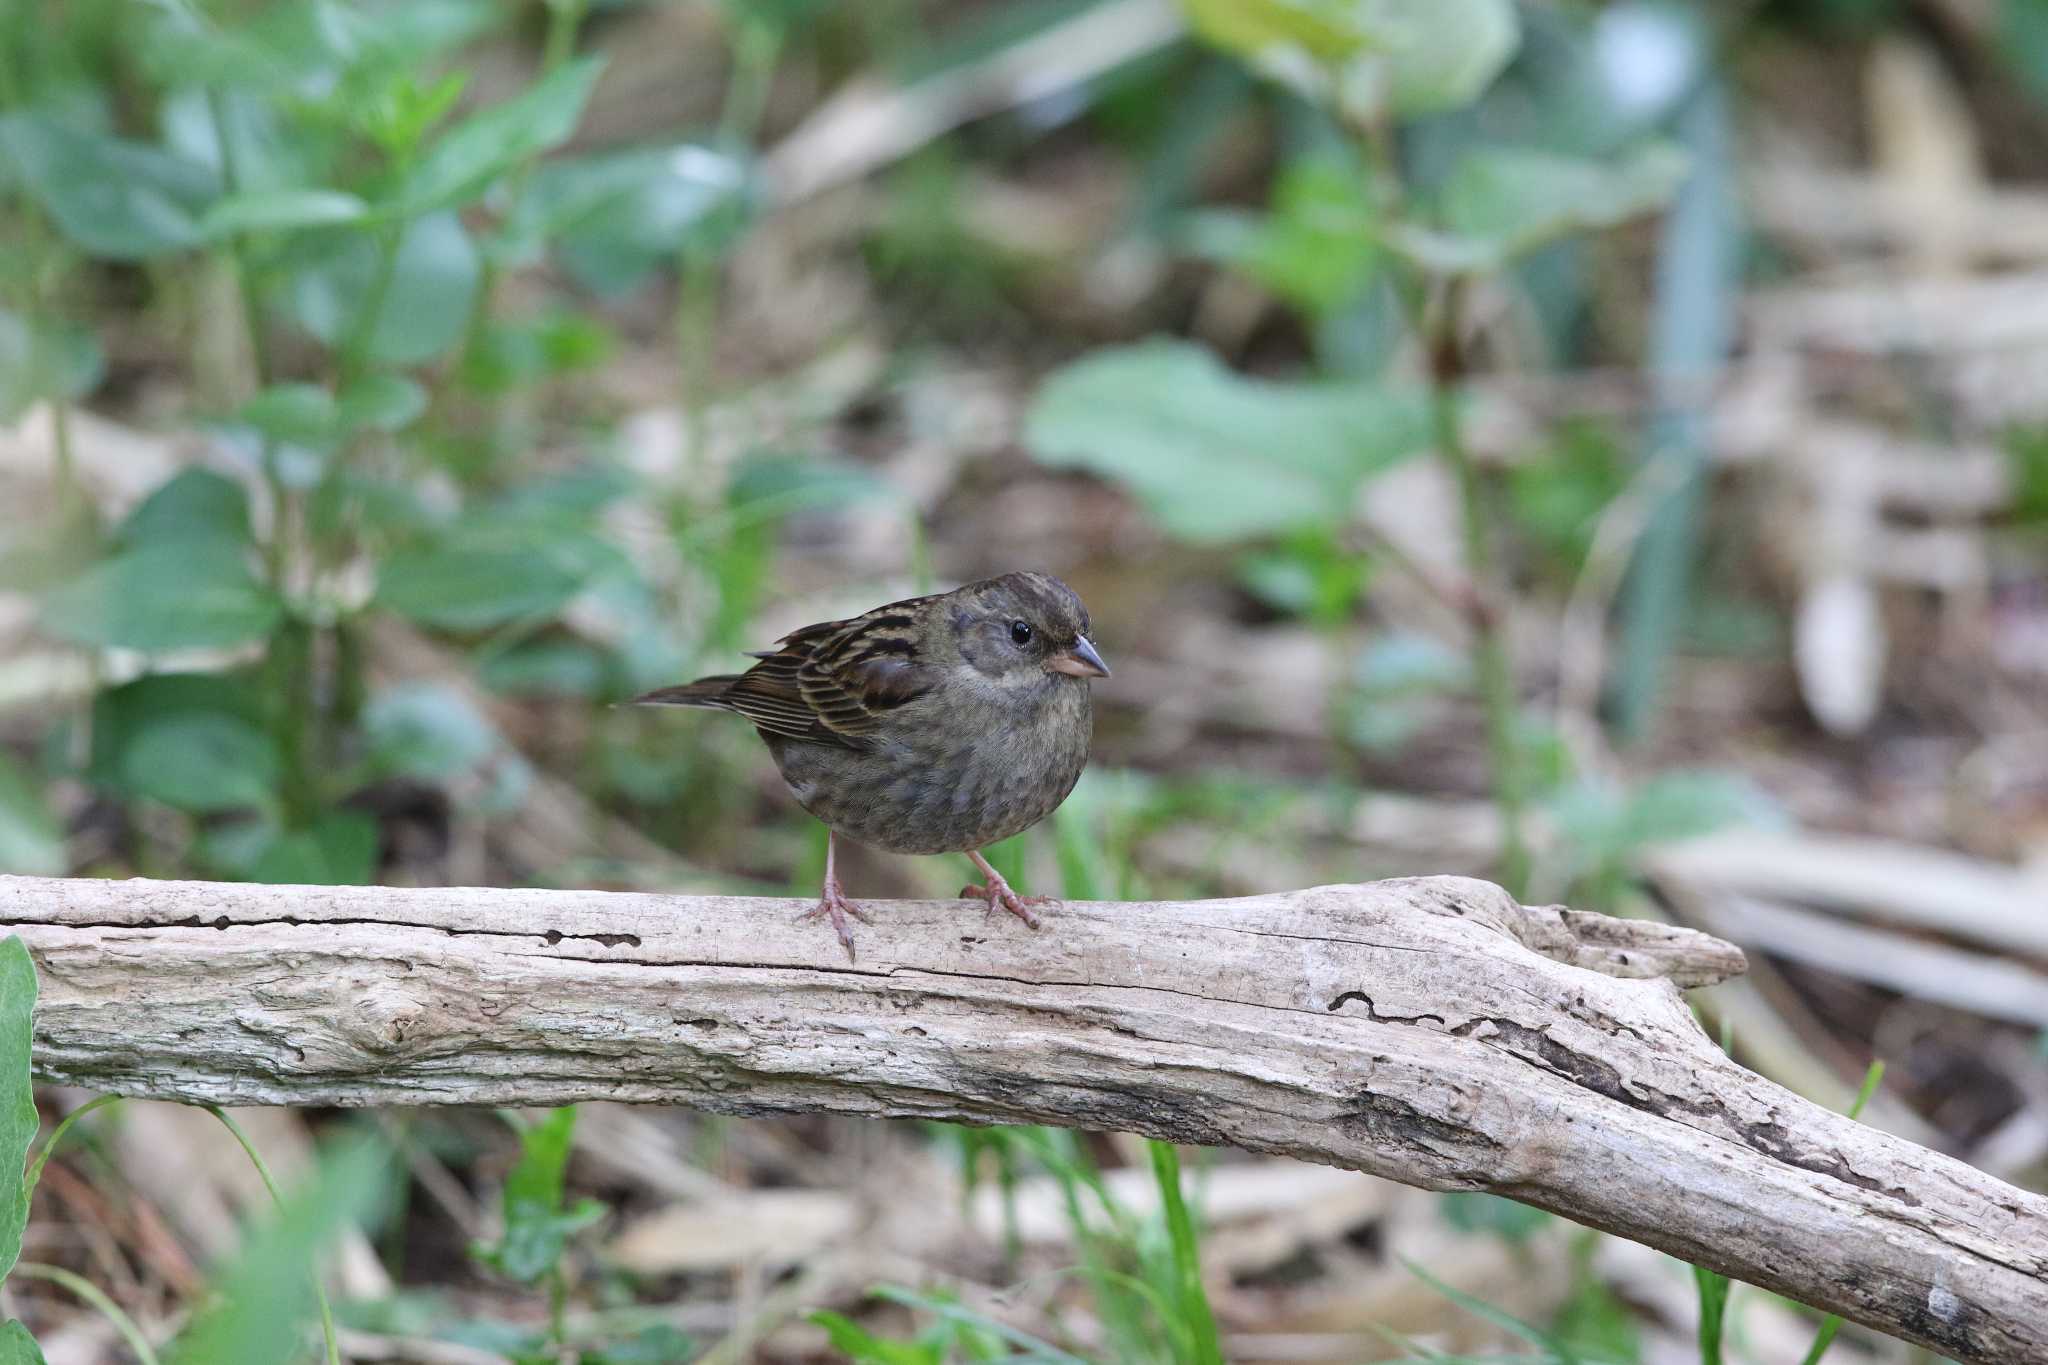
x=831, y=682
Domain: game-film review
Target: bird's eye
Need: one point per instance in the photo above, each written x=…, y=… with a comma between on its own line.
x=1020, y=632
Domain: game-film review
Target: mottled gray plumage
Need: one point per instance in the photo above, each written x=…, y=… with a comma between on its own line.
x=937, y=724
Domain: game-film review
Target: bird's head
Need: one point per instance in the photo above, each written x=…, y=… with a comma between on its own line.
x=1024, y=626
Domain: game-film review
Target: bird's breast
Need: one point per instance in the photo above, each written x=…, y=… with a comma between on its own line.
x=949, y=777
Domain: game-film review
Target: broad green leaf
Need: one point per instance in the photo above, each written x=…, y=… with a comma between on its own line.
x=1435, y=55
x=121, y=714
x=381, y=402
x=18, y=1121
x=1213, y=455
x=17, y=1347
x=546, y=668
x=293, y=414
x=1317, y=248
x=537, y=1227
x=1369, y=57
x=621, y=215
x=114, y=198
x=466, y=159
x=425, y=308
x=165, y=596
x=279, y=211
x=426, y=730
x=489, y=577
x=42, y=358
x=263, y=1303
x=201, y=761
x=194, y=505
x=31, y=840
x=660, y=1344
x=1322, y=29
x=339, y=850
x=1503, y=202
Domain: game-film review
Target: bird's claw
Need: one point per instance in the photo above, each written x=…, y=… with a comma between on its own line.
x=997, y=892
x=834, y=905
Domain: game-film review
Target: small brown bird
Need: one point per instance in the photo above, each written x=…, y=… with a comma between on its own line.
x=938, y=724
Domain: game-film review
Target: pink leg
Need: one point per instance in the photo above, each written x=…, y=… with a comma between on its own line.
x=832, y=902
x=993, y=889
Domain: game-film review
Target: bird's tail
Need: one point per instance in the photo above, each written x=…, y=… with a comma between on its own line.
x=703, y=692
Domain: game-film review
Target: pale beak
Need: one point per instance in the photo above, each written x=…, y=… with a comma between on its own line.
x=1079, y=662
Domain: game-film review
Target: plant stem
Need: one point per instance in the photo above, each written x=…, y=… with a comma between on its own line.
x=558, y=1306
x=35, y=1170
x=95, y=1296
x=263, y=1170
x=355, y=349
x=565, y=18
x=1495, y=671
x=238, y=258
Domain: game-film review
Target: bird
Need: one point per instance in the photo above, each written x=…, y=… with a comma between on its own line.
x=937, y=724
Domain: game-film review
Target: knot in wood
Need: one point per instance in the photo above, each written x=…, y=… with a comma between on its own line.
x=385, y=1020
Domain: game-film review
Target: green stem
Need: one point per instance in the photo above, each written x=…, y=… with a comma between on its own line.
x=565, y=18
x=355, y=350
x=238, y=258
x=558, y=1306
x=263, y=1170
x=94, y=1295
x=35, y=1170
x=1495, y=669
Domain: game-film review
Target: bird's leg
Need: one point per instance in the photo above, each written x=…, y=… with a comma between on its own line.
x=996, y=891
x=832, y=901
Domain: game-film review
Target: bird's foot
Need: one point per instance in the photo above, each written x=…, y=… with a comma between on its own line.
x=834, y=905
x=998, y=893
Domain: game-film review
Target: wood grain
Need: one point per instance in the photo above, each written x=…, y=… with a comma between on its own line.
x=1429, y=1030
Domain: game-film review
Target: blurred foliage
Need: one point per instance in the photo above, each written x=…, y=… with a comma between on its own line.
x=403, y=448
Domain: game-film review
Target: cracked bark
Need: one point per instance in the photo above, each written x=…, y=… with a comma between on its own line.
x=1430, y=1031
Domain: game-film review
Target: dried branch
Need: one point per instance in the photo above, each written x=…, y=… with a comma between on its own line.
x=1430, y=1031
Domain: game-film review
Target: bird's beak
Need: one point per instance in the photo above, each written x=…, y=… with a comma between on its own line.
x=1079, y=662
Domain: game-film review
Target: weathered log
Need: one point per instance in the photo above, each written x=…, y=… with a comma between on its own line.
x=1430, y=1031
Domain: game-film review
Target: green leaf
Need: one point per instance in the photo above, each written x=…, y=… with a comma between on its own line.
x=1436, y=55
x=1367, y=56
x=43, y=358
x=484, y=146
x=1213, y=455
x=262, y=1304
x=660, y=1344
x=339, y=850
x=427, y=731
x=194, y=505
x=201, y=761
x=621, y=215
x=18, y=1121
x=425, y=308
x=162, y=597
x=1322, y=29
x=1500, y=203
x=31, y=840
x=279, y=211
x=1317, y=249
x=489, y=576
x=1472, y=1211
x=17, y=1347
x=293, y=414
x=381, y=402
x=114, y=198
x=865, y=1348
x=537, y=1227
